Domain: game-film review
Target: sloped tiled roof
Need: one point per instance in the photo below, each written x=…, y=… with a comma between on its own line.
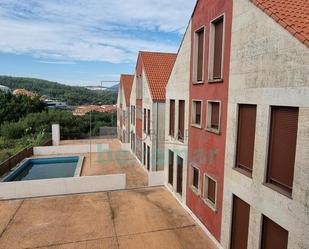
x=126, y=82
x=158, y=67
x=293, y=15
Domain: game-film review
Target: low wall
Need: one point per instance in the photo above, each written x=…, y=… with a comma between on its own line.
x=70, y=149
x=61, y=186
x=156, y=178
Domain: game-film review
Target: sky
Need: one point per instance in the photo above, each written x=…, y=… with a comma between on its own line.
x=81, y=42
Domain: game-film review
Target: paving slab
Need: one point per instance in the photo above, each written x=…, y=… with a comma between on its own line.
x=147, y=210
x=181, y=238
x=7, y=211
x=58, y=220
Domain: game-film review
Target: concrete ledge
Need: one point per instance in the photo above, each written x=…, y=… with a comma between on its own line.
x=61, y=186
x=156, y=178
x=126, y=146
x=70, y=149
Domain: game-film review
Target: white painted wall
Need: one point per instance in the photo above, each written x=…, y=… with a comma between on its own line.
x=70, y=149
x=178, y=89
x=61, y=186
x=56, y=134
x=268, y=67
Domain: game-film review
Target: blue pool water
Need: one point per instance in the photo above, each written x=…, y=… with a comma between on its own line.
x=44, y=168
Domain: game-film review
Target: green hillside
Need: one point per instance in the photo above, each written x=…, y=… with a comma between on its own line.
x=71, y=94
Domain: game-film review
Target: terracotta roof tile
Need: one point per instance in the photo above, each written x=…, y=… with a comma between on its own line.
x=126, y=82
x=293, y=15
x=158, y=67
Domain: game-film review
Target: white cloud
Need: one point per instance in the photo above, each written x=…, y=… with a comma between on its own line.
x=91, y=30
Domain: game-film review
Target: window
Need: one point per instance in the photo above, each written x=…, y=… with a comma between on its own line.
x=197, y=113
x=210, y=191
x=148, y=125
x=148, y=158
x=240, y=224
x=216, y=49
x=273, y=235
x=245, y=137
x=195, y=179
x=199, y=55
x=144, y=154
x=172, y=118
x=139, y=87
x=181, y=120
x=145, y=116
x=213, y=116
x=132, y=115
x=282, y=148
x=170, y=167
x=179, y=174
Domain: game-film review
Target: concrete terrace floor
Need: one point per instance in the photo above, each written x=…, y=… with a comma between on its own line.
x=148, y=218
x=115, y=161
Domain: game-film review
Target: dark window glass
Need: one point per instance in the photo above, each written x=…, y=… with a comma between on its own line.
x=170, y=167
x=172, y=118
x=195, y=177
x=181, y=120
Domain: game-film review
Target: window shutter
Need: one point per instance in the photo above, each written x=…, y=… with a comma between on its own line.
x=170, y=166
x=246, y=137
x=240, y=224
x=148, y=126
x=282, y=147
x=211, y=195
x=195, y=177
x=179, y=174
x=181, y=120
x=215, y=109
x=273, y=236
x=172, y=118
x=198, y=107
x=218, y=25
x=200, y=54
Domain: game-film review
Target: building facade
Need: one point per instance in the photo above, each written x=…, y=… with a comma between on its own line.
x=266, y=166
x=210, y=53
x=152, y=72
x=177, y=120
x=123, y=107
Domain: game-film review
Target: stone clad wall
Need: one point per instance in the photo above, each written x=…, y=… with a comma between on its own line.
x=268, y=67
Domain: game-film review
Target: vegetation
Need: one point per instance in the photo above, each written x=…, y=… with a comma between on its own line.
x=71, y=94
x=27, y=122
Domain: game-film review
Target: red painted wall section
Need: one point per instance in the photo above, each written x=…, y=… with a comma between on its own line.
x=205, y=148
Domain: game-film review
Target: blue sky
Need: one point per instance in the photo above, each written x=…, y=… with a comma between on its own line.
x=81, y=42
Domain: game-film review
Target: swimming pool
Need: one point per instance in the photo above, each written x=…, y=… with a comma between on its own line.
x=46, y=168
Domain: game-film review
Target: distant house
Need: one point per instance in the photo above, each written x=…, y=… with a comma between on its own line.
x=123, y=107
x=83, y=110
x=148, y=108
x=5, y=89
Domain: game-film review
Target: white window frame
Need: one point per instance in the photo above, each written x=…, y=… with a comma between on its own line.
x=208, y=116
x=194, y=113
x=193, y=188
x=195, y=54
x=207, y=201
x=212, y=50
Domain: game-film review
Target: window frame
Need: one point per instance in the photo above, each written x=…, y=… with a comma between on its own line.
x=207, y=201
x=209, y=114
x=212, y=49
x=182, y=140
x=171, y=131
x=193, y=115
x=197, y=191
x=195, y=55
